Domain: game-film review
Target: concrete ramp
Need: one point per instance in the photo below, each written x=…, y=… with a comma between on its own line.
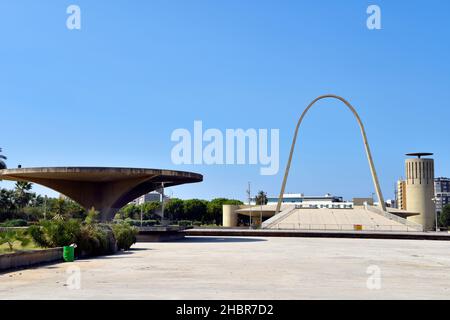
x=370, y=219
x=287, y=210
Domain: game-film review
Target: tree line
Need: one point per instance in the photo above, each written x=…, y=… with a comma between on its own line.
x=21, y=203
x=195, y=210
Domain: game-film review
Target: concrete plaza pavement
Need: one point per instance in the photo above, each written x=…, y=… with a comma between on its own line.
x=248, y=268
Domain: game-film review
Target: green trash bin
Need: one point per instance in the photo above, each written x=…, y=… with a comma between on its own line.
x=68, y=253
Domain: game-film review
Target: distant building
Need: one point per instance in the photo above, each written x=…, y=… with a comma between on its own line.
x=149, y=197
x=302, y=201
x=360, y=202
x=401, y=195
x=300, y=212
x=441, y=193
x=391, y=203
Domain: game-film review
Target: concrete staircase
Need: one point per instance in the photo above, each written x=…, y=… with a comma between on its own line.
x=369, y=217
x=287, y=210
x=393, y=217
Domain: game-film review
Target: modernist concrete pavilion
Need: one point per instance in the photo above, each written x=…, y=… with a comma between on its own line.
x=105, y=189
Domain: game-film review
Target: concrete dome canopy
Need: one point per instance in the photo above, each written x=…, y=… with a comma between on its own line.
x=107, y=189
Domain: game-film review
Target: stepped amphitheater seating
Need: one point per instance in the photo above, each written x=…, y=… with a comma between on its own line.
x=338, y=219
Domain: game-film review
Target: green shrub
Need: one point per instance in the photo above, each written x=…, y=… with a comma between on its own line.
x=11, y=236
x=185, y=223
x=95, y=239
x=149, y=223
x=444, y=219
x=90, y=238
x=137, y=223
x=55, y=233
x=33, y=213
x=92, y=216
x=39, y=236
x=15, y=223
x=125, y=235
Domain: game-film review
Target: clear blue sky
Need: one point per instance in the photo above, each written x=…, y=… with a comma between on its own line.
x=111, y=93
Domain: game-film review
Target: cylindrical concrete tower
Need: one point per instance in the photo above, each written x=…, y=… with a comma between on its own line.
x=420, y=189
x=229, y=216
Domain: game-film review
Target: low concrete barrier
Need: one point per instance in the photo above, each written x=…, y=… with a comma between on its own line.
x=319, y=234
x=160, y=236
x=4, y=229
x=160, y=233
x=29, y=258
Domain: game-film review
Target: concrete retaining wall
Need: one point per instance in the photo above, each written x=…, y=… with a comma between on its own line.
x=320, y=234
x=160, y=236
x=161, y=233
x=4, y=229
x=29, y=258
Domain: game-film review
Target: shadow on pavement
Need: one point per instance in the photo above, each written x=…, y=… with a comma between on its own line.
x=139, y=249
x=219, y=240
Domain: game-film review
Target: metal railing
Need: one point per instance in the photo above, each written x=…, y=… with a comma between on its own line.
x=341, y=227
x=393, y=217
x=283, y=214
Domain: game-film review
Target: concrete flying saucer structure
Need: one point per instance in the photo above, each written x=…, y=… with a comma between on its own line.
x=105, y=189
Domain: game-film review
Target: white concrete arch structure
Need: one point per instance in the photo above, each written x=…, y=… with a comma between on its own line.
x=366, y=146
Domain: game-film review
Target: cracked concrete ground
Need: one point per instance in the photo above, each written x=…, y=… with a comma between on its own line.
x=247, y=268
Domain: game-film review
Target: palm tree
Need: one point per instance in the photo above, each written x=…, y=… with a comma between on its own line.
x=59, y=209
x=261, y=198
x=2, y=162
x=7, y=203
x=22, y=195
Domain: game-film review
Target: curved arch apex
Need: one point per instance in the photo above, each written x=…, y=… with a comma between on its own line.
x=373, y=172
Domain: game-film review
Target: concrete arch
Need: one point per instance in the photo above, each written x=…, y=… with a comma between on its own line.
x=366, y=146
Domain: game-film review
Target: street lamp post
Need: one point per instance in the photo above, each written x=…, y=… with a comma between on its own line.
x=435, y=200
x=142, y=212
x=260, y=218
x=249, y=194
x=162, y=201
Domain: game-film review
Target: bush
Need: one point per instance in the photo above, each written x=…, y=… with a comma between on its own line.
x=125, y=235
x=131, y=222
x=15, y=223
x=92, y=216
x=184, y=223
x=91, y=239
x=55, y=233
x=149, y=223
x=11, y=236
x=95, y=239
x=137, y=223
x=33, y=213
x=444, y=219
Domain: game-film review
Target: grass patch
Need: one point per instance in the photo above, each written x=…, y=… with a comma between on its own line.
x=18, y=247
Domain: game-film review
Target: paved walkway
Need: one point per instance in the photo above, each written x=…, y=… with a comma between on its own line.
x=248, y=268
